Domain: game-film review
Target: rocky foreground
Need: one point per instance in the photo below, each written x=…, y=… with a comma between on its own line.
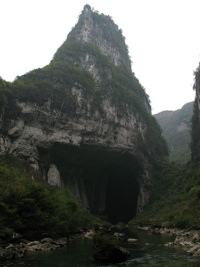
x=12, y=251
x=188, y=240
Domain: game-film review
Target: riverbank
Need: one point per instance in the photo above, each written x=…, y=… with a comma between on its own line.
x=188, y=240
x=14, y=250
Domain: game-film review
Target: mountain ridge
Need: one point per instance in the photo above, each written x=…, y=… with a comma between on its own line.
x=176, y=126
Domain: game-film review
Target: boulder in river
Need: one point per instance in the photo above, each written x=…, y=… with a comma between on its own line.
x=107, y=248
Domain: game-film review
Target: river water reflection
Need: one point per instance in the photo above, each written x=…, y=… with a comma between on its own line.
x=148, y=251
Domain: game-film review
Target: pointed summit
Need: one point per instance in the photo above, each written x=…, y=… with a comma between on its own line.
x=85, y=120
x=87, y=8
x=102, y=33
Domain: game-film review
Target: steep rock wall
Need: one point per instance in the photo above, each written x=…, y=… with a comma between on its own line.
x=197, y=85
x=195, y=144
x=34, y=132
x=83, y=122
x=100, y=31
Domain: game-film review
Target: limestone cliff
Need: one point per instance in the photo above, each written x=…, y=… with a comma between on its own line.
x=195, y=144
x=197, y=85
x=84, y=121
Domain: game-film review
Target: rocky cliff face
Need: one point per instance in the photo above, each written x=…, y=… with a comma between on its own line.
x=100, y=31
x=195, y=144
x=83, y=121
x=197, y=85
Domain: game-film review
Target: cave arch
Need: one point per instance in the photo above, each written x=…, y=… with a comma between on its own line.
x=105, y=182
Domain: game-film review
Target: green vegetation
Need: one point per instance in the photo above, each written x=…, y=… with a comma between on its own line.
x=175, y=197
x=32, y=208
x=54, y=82
x=107, y=247
x=4, y=86
x=117, y=82
x=4, y=89
x=104, y=237
x=157, y=146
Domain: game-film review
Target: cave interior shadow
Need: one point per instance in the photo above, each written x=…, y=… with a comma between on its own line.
x=122, y=192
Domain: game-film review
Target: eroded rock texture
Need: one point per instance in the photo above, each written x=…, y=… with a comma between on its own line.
x=84, y=121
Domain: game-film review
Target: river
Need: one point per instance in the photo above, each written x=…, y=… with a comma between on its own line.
x=148, y=251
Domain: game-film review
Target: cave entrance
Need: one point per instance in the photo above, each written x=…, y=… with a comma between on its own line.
x=106, y=182
x=122, y=192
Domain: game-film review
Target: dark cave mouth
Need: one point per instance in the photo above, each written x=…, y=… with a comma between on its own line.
x=122, y=192
x=107, y=179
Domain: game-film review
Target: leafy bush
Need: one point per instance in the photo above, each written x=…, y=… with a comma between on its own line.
x=195, y=191
x=33, y=209
x=182, y=222
x=174, y=197
x=103, y=237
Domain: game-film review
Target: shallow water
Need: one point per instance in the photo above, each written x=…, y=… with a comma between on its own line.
x=148, y=251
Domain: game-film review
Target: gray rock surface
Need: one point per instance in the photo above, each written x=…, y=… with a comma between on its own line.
x=69, y=139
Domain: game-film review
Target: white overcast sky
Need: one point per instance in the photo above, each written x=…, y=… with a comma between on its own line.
x=163, y=37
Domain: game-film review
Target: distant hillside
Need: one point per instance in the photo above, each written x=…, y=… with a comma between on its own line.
x=176, y=126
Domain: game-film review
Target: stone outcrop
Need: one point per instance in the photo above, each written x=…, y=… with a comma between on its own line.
x=188, y=240
x=106, y=246
x=13, y=251
x=46, y=244
x=189, y=243
x=111, y=254
x=80, y=126
x=99, y=30
x=37, y=140
x=54, y=176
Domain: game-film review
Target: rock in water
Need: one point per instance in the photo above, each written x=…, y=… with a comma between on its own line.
x=107, y=248
x=111, y=253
